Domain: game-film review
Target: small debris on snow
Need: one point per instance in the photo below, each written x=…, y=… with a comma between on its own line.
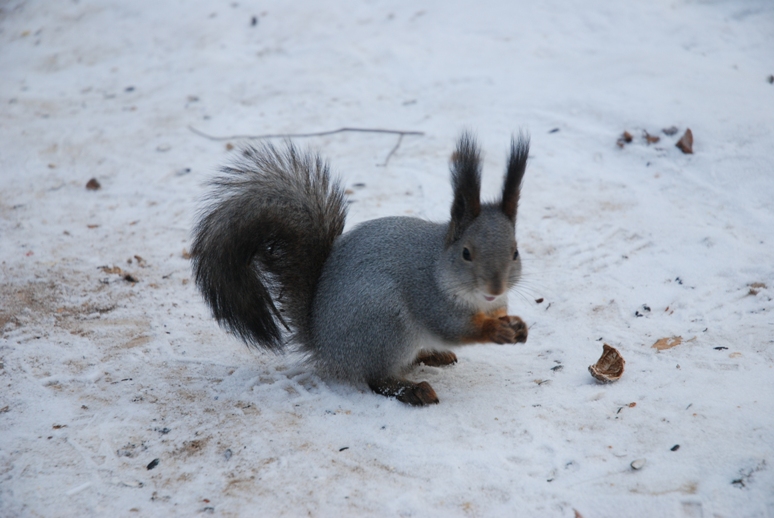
x=650, y=139
x=638, y=464
x=624, y=139
x=153, y=463
x=667, y=343
x=112, y=270
x=672, y=130
x=685, y=144
x=93, y=185
x=609, y=367
x=675, y=447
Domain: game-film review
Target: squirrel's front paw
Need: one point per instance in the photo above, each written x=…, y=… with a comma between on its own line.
x=509, y=330
x=518, y=327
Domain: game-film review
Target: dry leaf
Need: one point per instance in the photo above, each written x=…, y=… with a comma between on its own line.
x=651, y=139
x=668, y=343
x=609, y=367
x=686, y=142
x=114, y=269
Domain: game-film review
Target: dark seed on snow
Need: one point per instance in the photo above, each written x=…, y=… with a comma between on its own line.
x=153, y=463
x=675, y=447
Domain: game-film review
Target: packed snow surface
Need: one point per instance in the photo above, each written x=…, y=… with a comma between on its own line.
x=122, y=397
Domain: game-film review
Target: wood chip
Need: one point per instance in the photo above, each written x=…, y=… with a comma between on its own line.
x=685, y=144
x=667, y=343
x=609, y=367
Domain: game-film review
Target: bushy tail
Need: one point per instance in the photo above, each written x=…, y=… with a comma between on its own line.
x=261, y=242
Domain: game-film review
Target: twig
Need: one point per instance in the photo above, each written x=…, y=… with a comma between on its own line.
x=304, y=135
x=392, y=151
x=400, y=134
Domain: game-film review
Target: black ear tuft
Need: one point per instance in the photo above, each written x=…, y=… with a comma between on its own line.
x=517, y=163
x=466, y=182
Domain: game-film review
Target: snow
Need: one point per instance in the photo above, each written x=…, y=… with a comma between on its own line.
x=100, y=376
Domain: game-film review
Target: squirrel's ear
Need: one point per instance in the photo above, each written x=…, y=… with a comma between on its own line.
x=466, y=182
x=517, y=163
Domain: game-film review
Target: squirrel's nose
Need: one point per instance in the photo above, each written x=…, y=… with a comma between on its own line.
x=496, y=288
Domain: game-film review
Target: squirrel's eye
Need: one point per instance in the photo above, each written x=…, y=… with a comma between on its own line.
x=515, y=255
x=466, y=254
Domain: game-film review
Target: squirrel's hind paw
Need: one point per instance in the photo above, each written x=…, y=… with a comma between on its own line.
x=405, y=391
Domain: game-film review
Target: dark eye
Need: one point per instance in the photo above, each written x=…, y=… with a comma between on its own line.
x=466, y=254
x=515, y=255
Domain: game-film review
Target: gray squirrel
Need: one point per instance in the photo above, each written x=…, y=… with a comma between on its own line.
x=270, y=257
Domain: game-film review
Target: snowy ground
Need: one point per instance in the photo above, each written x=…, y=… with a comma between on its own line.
x=100, y=376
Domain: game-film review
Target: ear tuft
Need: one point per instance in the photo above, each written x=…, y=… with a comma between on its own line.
x=466, y=182
x=517, y=164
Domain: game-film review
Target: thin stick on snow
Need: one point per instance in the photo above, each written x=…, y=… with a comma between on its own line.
x=400, y=133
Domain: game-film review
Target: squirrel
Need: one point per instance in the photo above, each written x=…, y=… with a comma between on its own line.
x=272, y=262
